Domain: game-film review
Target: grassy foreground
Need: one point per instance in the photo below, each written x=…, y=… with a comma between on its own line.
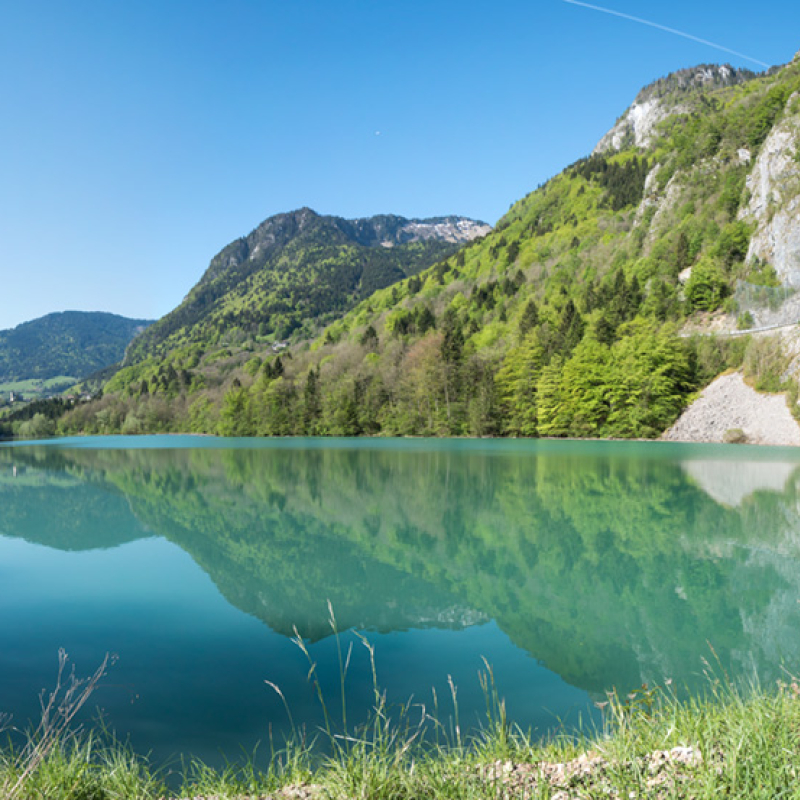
x=730, y=743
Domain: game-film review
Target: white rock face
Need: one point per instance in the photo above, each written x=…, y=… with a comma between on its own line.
x=637, y=124
x=774, y=206
x=456, y=231
x=650, y=196
x=643, y=119
x=659, y=100
x=664, y=206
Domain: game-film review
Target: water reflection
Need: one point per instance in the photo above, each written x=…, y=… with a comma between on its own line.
x=611, y=564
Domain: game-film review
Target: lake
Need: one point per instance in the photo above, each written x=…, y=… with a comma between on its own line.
x=569, y=567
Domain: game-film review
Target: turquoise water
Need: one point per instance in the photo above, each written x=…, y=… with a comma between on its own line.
x=571, y=567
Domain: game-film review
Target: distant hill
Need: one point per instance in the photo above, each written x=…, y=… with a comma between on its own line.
x=298, y=271
x=70, y=343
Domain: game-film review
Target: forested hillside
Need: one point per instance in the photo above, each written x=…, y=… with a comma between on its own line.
x=566, y=320
x=74, y=343
x=296, y=272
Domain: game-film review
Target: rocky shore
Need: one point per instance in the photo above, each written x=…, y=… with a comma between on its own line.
x=728, y=410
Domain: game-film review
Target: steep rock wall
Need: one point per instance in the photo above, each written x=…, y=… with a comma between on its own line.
x=774, y=204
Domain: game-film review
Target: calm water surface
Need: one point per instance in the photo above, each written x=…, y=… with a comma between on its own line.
x=570, y=567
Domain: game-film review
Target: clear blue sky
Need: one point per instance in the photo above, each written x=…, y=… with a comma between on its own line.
x=138, y=138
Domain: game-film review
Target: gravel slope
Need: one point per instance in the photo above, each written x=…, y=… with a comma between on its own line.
x=728, y=403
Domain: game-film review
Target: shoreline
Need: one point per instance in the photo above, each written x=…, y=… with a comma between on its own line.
x=662, y=439
x=651, y=745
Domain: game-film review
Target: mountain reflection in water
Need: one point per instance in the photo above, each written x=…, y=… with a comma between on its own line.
x=611, y=564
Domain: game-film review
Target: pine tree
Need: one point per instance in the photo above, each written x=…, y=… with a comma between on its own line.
x=529, y=318
x=571, y=328
x=452, y=352
x=311, y=405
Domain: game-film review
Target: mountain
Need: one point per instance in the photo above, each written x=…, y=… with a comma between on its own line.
x=297, y=271
x=573, y=317
x=69, y=343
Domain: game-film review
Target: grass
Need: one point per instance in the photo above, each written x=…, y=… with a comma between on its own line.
x=731, y=742
x=38, y=387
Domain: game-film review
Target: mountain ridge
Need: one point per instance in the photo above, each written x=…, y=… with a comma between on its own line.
x=563, y=321
x=250, y=283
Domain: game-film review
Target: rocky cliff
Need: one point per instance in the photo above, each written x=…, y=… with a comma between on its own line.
x=774, y=198
x=676, y=93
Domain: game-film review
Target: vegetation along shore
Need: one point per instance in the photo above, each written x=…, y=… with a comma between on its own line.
x=728, y=743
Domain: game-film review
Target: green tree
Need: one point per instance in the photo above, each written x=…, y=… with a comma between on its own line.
x=235, y=417
x=706, y=286
x=201, y=416
x=311, y=401
x=38, y=427
x=585, y=386
x=552, y=419
x=452, y=351
x=571, y=327
x=425, y=319
x=516, y=384
x=733, y=243
x=649, y=381
x=369, y=338
x=482, y=412
x=278, y=409
x=420, y=395
x=529, y=318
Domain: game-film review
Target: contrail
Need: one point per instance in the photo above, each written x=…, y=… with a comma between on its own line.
x=667, y=30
